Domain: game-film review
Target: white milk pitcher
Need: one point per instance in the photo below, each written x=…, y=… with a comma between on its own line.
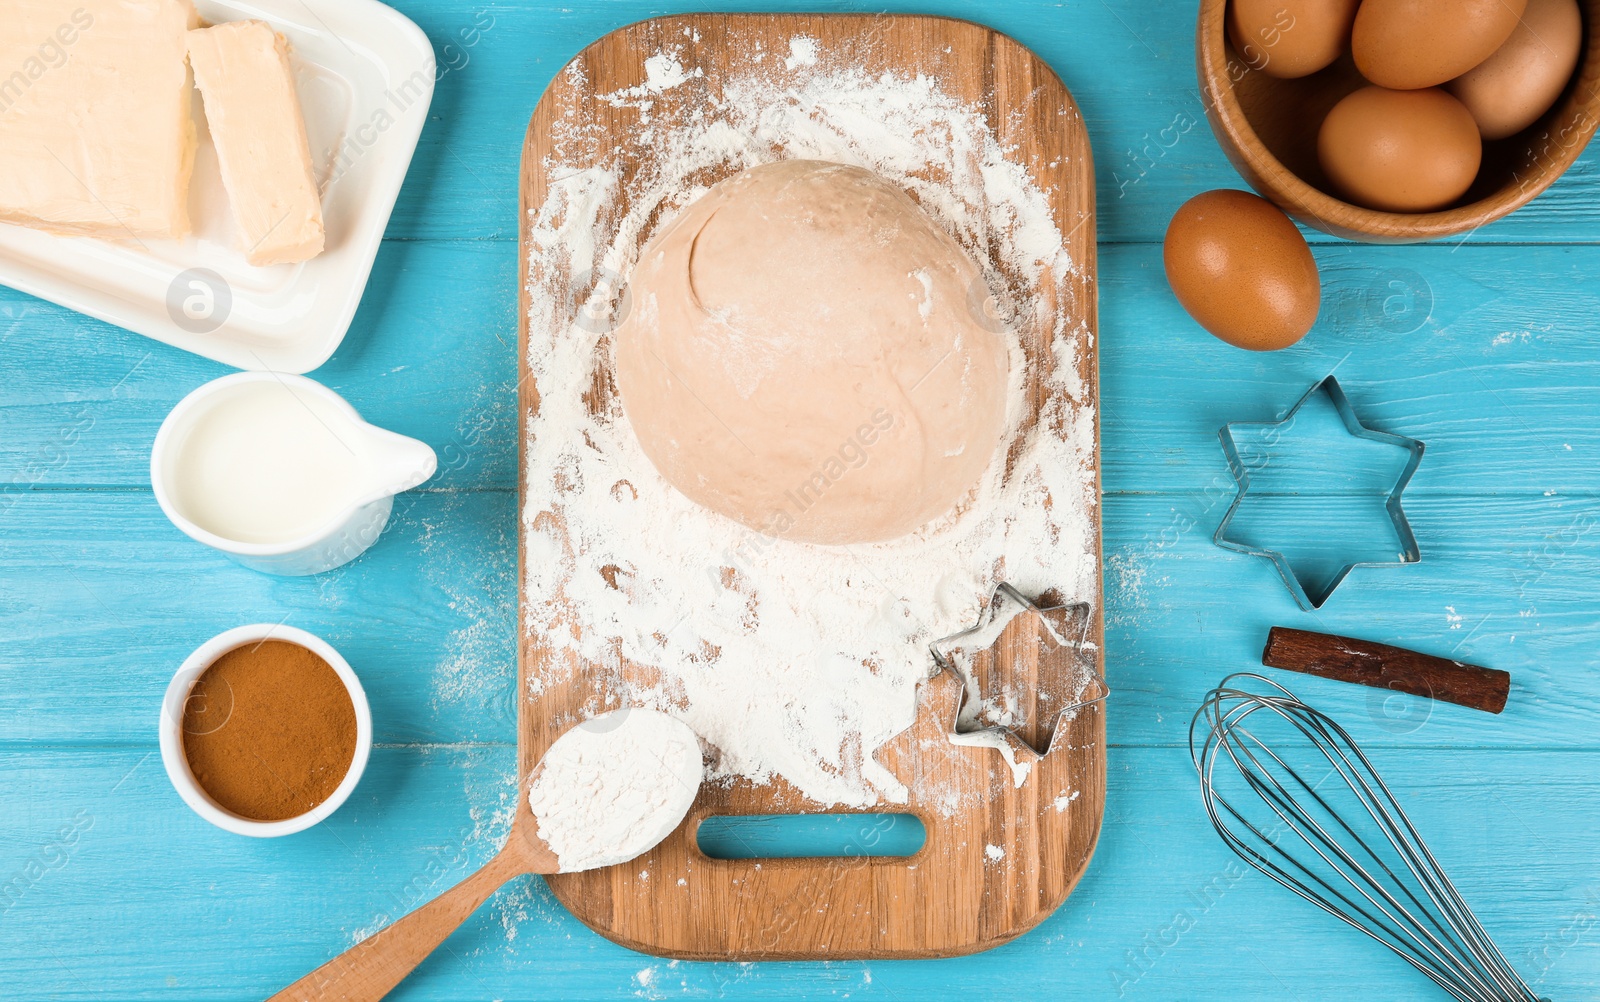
x=280, y=473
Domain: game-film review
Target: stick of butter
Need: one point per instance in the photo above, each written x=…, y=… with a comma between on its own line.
x=242, y=70
x=96, y=136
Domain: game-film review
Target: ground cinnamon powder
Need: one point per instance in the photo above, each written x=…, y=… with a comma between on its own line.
x=269, y=730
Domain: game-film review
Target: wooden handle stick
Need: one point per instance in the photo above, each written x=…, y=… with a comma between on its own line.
x=370, y=970
x=1383, y=667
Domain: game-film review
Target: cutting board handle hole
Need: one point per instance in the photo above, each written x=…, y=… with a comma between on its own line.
x=805, y=836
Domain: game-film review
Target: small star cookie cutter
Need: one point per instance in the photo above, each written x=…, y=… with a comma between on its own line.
x=1022, y=733
x=1409, y=553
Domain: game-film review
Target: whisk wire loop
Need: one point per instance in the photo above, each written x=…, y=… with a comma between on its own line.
x=1389, y=887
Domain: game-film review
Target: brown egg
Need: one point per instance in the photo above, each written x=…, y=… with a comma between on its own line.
x=1290, y=38
x=1410, y=44
x=1508, y=92
x=1400, y=150
x=1242, y=270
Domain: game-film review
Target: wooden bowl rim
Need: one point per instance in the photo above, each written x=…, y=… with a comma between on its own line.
x=1326, y=212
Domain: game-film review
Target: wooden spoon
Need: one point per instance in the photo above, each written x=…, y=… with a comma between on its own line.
x=372, y=968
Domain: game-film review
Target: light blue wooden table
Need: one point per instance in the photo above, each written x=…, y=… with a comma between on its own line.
x=1487, y=350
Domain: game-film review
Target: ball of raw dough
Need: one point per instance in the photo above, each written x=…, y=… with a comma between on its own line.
x=808, y=354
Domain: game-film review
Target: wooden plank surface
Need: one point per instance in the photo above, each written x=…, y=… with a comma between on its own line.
x=202, y=915
x=1008, y=854
x=1494, y=365
x=430, y=612
x=155, y=904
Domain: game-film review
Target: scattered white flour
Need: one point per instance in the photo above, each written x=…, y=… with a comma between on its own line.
x=996, y=618
x=994, y=852
x=664, y=72
x=990, y=738
x=613, y=787
x=802, y=52
x=791, y=660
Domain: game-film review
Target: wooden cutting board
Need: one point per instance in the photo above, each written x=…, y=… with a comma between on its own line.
x=1010, y=856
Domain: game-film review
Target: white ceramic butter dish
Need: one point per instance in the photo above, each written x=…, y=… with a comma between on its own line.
x=365, y=76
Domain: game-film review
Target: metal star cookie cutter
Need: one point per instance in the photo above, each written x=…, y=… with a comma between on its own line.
x=1063, y=632
x=1409, y=553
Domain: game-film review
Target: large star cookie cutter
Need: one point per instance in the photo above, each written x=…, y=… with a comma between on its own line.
x=1022, y=667
x=1409, y=553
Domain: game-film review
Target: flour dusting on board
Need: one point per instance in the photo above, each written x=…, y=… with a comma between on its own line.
x=791, y=660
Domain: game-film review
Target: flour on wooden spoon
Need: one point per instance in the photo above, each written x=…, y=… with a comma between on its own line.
x=790, y=660
x=613, y=787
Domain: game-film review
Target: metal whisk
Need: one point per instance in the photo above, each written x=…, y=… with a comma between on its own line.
x=1366, y=864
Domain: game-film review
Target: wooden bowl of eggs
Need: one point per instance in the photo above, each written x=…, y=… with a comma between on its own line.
x=1392, y=121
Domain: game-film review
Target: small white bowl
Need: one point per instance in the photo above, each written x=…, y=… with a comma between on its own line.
x=172, y=755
